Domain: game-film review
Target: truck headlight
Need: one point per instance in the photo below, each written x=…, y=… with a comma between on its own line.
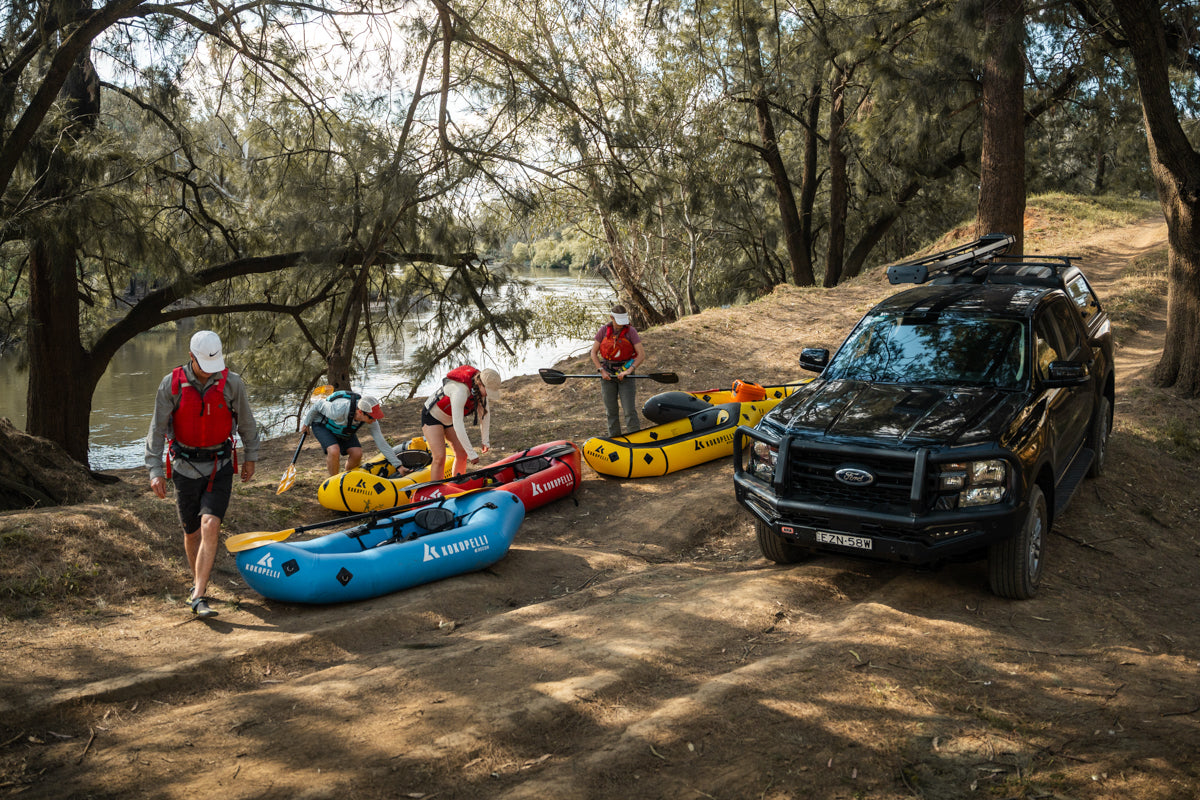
x=977, y=483
x=763, y=458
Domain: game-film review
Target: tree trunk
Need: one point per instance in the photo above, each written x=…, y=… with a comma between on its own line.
x=838, y=190
x=62, y=378
x=1002, y=169
x=789, y=217
x=809, y=179
x=1176, y=168
x=644, y=313
x=58, y=403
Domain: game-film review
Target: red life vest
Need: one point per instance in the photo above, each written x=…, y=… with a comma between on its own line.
x=201, y=420
x=464, y=374
x=616, y=347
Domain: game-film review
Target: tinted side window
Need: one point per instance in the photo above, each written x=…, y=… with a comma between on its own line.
x=1083, y=297
x=1046, y=346
x=1066, y=320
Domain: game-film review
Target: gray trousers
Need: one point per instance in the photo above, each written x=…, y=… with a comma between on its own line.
x=626, y=390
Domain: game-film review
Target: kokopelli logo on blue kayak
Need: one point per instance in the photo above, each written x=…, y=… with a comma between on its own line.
x=476, y=543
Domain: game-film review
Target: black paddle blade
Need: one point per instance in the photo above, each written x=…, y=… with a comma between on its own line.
x=665, y=377
x=552, y=376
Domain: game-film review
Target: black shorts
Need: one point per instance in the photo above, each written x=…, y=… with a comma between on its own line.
x=328, y=438
x=430, y=419
x=193, y=498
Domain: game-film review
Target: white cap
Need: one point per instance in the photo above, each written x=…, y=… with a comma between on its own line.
x=370, y=406
x=490, y=380
x=206, y=347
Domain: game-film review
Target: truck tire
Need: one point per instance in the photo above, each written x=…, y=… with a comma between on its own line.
x=1015, y=564
x=1098, y=436
x=774, y=547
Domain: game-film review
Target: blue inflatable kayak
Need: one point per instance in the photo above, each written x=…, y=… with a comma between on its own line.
x=463, y=533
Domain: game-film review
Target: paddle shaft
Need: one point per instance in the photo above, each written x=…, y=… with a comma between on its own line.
x=300, y=444
x=554, y=376
x=257, y=539
x=553, y=452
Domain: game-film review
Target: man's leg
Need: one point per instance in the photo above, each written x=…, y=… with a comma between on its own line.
x=333, y=458
x=353, y=458
x=202, y=551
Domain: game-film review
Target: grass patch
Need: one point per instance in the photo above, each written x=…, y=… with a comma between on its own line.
x=1141, y=287
x=1091, y=213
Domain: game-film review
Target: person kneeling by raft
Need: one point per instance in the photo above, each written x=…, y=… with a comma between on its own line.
x=335, y=421
x=464, y=391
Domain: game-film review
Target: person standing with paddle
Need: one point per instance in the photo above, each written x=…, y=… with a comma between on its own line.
x=616, y=352
x=198, y=408
x=335, y=421
x=464, y=391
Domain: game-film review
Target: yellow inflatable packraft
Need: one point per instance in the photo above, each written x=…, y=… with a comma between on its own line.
x=375, y=484
x=695, y=439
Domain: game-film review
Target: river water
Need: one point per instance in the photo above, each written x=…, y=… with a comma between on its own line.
x=124, y=398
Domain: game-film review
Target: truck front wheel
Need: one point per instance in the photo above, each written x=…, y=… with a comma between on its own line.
x=1015, y=564
x=774, y=547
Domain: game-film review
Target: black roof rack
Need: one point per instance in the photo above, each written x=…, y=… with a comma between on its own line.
x=967, y=255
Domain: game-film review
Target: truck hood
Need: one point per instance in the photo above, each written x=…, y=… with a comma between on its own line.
x=901, y=415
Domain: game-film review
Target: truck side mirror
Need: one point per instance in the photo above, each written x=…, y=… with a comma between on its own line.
x=814, y=359
x=1066, y=373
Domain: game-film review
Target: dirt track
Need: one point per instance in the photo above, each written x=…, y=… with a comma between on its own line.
x=636, y=645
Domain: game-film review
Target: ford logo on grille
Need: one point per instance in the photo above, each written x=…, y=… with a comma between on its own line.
x=855, y=476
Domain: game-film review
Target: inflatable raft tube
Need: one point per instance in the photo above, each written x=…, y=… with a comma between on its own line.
x=461, y=534
x=376, y=484
x=532, y=477
x=670, y=406
x=703, y=436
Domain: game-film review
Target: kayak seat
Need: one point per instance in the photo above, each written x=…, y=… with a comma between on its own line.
x=435, y=519
x=526, y=468
x=414, y=459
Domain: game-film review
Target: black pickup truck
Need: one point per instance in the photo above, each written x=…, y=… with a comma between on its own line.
x=955, y=422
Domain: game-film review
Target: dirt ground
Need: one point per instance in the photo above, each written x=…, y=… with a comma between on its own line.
x=634, y=643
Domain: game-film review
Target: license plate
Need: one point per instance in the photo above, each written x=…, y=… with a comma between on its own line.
x=858, y=542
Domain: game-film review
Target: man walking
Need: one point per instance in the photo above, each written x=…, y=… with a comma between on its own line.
x=198, y=408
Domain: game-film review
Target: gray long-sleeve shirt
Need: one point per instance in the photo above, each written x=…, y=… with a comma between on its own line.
x=162, y=429
x=339, y=411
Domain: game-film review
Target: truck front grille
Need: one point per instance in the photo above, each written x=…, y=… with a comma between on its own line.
x=811, y=478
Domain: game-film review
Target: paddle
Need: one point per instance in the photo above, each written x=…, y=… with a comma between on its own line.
x=555, y=377
x=551, y=452
x=289, y=474
x=248, y=541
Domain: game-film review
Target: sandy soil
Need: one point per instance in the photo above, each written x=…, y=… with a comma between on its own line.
x=635, y=644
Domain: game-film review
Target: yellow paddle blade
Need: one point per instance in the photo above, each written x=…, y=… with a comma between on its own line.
x=247, y=541
x=289, y=478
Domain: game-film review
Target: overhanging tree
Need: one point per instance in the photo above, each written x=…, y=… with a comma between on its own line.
x=223, y=175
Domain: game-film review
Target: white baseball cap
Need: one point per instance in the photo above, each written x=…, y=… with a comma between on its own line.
x=206, y=347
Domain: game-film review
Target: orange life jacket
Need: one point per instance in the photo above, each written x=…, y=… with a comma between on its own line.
x=615, y=346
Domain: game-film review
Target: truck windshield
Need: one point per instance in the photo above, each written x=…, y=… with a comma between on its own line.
x=940, y=349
